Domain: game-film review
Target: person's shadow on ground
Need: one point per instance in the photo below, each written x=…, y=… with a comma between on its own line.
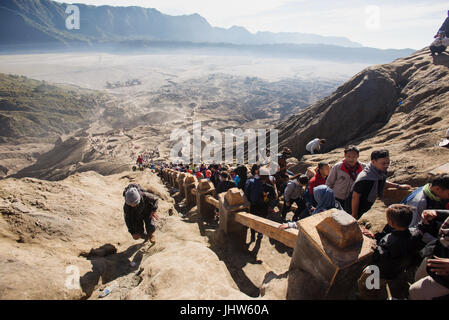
x=108, y=265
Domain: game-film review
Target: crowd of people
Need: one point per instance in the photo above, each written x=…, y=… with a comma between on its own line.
x=417, y=230
x=146, y=159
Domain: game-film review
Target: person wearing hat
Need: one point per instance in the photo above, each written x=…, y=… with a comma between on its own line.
x=440, y=44
x=139, y=209
x=261, y=196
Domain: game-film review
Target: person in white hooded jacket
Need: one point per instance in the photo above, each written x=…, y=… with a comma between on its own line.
x=314, y=146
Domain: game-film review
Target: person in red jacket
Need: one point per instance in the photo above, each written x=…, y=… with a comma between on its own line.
x=320, y=177
x=139, y=161
x=199, y=175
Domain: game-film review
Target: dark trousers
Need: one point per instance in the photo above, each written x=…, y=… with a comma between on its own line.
x=138, y=225
x=149, y=227
x=260, y=211
x=300, y=202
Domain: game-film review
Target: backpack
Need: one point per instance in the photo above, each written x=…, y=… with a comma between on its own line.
x=247, y=189
x=151, y=199
x=411, y=196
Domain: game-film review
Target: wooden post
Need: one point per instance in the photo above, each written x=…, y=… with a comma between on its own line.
x=231, y=202
x=169, y=175
x=181, y=178
x=329, y=256
x=268, y=228
x=165, y=174
x=212, y=201
x=204, y=188
x=190, y=183
x=175, y=179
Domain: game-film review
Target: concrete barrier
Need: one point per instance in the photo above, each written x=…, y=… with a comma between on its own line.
x=190, y=183
x=174, y=179
x=230, y=203
x=205, y=188
x=329, y=256
x=181, y=178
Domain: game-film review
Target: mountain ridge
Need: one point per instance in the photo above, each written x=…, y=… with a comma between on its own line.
x=47, y=19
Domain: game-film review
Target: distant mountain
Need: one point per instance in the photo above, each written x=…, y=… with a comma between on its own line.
x=43, y=21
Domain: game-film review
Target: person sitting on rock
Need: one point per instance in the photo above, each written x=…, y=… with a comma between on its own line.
x=261, y=200
x=440, y=44
x=370, y=184
x=343, y=175
x=434, y=195
x=395, y=252
x=314, y=146
x=294, y=193
x=139, y=210
x=432, y=276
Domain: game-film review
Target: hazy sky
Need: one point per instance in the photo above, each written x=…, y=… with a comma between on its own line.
x=373, y=23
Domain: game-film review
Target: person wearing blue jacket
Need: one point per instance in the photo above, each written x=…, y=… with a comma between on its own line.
x=434, y=195
x=261, y=196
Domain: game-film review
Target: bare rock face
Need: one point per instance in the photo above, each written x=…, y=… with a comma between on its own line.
x=347, y=114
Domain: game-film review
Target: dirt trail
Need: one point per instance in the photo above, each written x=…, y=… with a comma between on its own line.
x=46, y=227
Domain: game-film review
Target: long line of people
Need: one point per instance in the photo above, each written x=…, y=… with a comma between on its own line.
x=417, y=230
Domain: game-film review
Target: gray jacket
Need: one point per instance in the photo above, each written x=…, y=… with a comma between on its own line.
x=340, y=182
x=293, y=191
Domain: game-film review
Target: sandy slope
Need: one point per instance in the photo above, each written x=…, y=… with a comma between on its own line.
x=45, y=226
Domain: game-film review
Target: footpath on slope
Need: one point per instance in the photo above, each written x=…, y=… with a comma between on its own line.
x=50, y=232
